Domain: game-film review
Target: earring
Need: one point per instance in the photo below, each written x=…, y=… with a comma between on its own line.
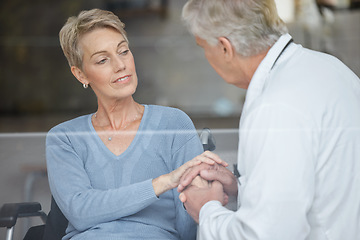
x=85, y=85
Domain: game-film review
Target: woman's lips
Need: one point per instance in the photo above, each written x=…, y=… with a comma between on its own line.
x=123, y=79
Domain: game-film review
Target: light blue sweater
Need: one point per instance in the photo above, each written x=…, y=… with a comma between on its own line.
x=105, y=196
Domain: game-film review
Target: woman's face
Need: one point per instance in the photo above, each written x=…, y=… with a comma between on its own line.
x=108, y=64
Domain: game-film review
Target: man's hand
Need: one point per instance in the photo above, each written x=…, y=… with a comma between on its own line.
x=213, y=172
x=171, y=180
x=200, y=182
x=199, y=193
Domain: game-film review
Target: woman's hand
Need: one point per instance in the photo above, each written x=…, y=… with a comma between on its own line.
x=171, y=180
x=214, y=172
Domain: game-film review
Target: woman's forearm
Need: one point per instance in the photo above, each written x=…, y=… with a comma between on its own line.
x=162, y=184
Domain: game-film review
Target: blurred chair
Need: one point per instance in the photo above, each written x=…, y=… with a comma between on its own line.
x=317, y=19
x=33, y=172
x=355, y=4
x=343, y=5
x=327, y=10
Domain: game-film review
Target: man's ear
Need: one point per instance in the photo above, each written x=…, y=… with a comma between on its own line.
x=78, y=73
x=227, y=48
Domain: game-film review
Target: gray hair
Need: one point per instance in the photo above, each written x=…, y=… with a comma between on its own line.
x=85, y=22
x=251, y=26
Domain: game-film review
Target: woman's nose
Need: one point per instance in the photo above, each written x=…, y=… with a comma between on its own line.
x=119, y=64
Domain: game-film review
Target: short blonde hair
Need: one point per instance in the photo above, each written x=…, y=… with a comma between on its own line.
x=251, y=25
x=85, y=22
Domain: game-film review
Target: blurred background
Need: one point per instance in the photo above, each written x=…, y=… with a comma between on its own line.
x=38, y=91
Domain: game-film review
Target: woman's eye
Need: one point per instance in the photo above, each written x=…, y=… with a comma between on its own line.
x=124, y=52
x=102, y=61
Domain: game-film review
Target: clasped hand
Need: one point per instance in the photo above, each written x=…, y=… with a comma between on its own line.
x=205, y=182
x=171, y=180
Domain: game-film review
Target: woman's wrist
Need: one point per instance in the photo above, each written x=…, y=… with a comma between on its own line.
x=161, y=184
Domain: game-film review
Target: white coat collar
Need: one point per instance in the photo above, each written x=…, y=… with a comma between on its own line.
x=258, y=80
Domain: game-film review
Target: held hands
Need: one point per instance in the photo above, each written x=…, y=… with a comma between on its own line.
x=203, y=183
x=197, y=194
x=213, y=172
x=171, y=180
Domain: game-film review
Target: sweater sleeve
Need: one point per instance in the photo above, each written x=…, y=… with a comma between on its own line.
x=83, y=205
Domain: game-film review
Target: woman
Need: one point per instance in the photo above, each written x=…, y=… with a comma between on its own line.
x=110, y=171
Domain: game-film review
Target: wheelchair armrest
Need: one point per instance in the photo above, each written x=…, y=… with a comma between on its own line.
x=10, y=212
x=207, y=140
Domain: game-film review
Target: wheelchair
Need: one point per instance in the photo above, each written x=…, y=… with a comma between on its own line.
x=55, y=223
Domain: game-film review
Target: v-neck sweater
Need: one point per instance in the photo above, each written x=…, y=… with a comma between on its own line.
x=105, y=196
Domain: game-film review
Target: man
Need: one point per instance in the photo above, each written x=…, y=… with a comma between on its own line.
x=299, y=133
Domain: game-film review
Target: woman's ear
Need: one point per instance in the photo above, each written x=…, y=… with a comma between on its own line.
x=78, y=73
x=227, y=48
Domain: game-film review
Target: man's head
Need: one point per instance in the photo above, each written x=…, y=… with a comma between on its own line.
x=252, y=26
